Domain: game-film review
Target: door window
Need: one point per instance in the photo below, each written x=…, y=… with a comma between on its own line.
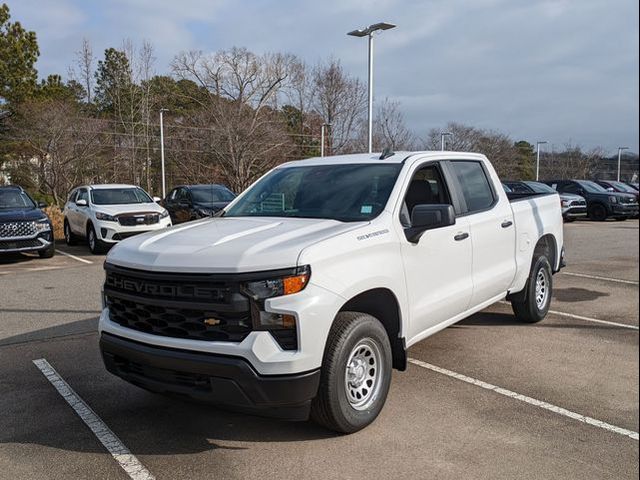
x=476, y=188
x=83, y=195
x=427, y=187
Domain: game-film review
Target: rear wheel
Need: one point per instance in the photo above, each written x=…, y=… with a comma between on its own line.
x=95, y=245
x=598, y=213
x=355, y=375
x=69, y=237
x=534, y=305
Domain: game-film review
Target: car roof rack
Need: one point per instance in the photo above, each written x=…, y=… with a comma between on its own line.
x=386, y=153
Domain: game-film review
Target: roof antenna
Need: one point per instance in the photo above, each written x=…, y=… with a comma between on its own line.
x=386, y=153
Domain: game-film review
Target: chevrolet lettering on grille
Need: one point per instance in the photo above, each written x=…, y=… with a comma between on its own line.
x=154, y=289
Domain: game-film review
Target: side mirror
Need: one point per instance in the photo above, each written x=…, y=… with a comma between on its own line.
x=610, y=189
x=157, y=199
x=42, y=205
x=429, y=217
x=81, y=202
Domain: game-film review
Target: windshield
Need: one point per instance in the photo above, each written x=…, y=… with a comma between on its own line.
x=119, y=196
x=623, y=187
x=211, y=194
x=591, y=187
x=11, y=199
x=347, y=193
x=540, y=187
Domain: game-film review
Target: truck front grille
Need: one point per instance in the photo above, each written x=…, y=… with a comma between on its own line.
x=17, y=229
x=195, y=306
x=195, y=324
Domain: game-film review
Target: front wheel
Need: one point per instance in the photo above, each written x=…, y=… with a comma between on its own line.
x=535, y=303
x=95, y=245
x=69, y=238
x=355, y=375
x=49, y=251
x=598, y=213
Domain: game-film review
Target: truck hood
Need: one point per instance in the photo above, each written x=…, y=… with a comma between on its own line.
x=226, y=244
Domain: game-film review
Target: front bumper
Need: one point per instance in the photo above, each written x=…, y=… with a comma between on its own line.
x=574, y=212
x=25, y=245
x=625, y=209
x=113, y=232
x=219, y=379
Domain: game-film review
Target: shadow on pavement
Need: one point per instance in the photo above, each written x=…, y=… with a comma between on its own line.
x=576, y=294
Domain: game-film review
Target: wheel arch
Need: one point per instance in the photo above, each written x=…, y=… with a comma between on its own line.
x=382, y=304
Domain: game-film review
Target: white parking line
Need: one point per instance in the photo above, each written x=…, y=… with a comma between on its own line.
x=586, y=319
x=596, y=277
x=529, y=400
x=116, y=448
x=73, y=256
x=594, y=320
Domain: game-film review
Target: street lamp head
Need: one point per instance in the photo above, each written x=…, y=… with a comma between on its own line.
x=542, y=143
x=446, y=133
x=623, y=148
x=370, y=29
x=164, y=110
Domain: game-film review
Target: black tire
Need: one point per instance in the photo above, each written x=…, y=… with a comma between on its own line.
x=529, y=309
x=95, y=244
x=352, y=335
x=49, y=252
x=69, y=236
x=598, y=212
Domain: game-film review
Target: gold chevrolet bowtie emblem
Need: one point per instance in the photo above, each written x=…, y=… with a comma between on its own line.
x=211, y=321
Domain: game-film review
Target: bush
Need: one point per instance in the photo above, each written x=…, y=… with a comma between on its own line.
x=57, y=219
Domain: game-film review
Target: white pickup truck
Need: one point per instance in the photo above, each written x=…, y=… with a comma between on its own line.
x=309, y=289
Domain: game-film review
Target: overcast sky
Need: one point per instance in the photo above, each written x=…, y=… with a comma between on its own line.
x=562, y=71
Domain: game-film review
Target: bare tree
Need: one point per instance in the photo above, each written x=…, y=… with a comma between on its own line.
x=247, y=135
x=84, y=64
x=389, y=128
x=341, y=101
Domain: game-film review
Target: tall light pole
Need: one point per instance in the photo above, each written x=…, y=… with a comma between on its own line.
x=164, y=186
x=442, y=135
x=322, y=136
x=368, y=32
x=620, y=149
x=538, y=159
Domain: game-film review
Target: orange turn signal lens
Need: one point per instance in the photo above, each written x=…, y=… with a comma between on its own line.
x=295, y=284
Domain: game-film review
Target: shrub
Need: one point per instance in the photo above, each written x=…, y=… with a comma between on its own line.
x=57, y=219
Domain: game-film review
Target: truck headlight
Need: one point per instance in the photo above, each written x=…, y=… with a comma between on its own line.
x=260, y=290
x=613, y=199
x=106, y=217
x=42, y=225
x=282, y=327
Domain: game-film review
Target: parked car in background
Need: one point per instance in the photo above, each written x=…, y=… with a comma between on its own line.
x=601, y=204
x=191, y=202
x=634, y=185
x=573, y=206
x=24, y=227
x=106, y=214
x=620, y=187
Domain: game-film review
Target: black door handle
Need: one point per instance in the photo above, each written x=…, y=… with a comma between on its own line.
x=461, y=236
x=506, y=224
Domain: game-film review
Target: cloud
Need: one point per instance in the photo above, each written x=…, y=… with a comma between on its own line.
x=551, y=69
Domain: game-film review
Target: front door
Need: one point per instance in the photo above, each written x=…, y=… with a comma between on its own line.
x=438, y=268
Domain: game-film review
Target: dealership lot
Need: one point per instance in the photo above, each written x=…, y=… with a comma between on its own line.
x=583, y=359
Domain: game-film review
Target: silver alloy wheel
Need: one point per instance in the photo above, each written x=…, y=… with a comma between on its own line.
x=542, y=289
x=363, y=375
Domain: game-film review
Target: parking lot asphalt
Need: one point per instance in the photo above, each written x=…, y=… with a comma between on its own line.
x=582, y=359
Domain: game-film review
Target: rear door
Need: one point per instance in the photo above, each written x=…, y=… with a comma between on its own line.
x=437, y=267
x=491, y=226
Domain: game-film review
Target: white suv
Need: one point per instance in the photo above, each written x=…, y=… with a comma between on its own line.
x=106, y=214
